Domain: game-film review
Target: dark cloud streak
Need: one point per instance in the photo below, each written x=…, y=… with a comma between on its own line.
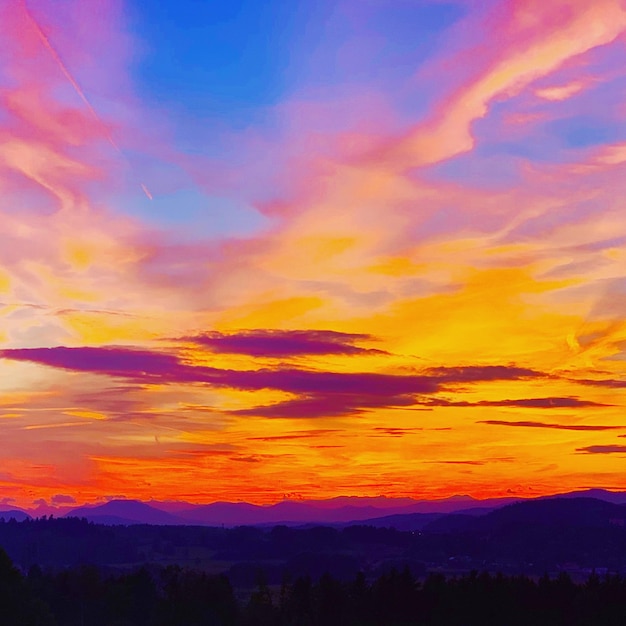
x=481, y=373
x=609, y=383
x=609, y=449
x=161, y=368
x=531, y=424
x=284, y=343
x=317, y=393
x=531, y=403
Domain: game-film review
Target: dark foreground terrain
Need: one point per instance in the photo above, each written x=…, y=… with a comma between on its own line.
x=576, y=536
x=173, y=596
x=543, y=562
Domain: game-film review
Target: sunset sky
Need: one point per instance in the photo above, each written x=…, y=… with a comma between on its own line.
x=256, y=250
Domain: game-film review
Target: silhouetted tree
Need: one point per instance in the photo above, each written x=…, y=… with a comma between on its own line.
x=18, y=606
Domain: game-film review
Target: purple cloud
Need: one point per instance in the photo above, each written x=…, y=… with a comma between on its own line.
x=611, y=449
x=478, y=373
x=530, y=424
x=284, y=343
x=116, y=362
x=156, y=367
x=62, y=499
x=327, y=405
x=611, y=383
x=320, y=393
x=533, y=403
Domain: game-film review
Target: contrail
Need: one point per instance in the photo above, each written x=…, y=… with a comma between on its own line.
x=146, y=191
x=81, y=94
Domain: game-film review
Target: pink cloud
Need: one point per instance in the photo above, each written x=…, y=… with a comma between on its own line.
x=535, y=40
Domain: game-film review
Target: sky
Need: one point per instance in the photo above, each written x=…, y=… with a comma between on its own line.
x=290, y=249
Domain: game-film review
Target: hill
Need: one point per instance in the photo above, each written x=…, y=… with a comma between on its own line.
x=126, y=512
x=17, y=514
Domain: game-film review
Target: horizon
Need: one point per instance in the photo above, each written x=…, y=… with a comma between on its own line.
x=397, y=505
x=297, y=251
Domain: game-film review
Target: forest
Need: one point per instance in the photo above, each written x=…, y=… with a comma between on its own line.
x=176, y=596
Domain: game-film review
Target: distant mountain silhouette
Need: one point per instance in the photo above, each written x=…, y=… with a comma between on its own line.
x=333, y=511
x=566, y=510
x=126, y=512
x=533, y=536
x=341, y=510
x=16, y=514
x=376, y=511
x=616, y=497
x=281, y=513
x=436, y=522
x=170, y=506
x=559, y=513
x=400, y=521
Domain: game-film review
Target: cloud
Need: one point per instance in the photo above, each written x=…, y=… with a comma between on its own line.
x=60, y=498
x=396, y=432
x=609, y=449
x=328, y=405
x=40, y=502
x=306, y=434
x=480, y=373
x=531, y=424
x=159, y=367
x=284, y=343
x=459, y=462
x=116, y=362
x=531, y=403
x=319, y=393
x=611, y=383
x=561, y=92
x=208, y=450
x=7, y=500
x=531, y=47
x=155, y=367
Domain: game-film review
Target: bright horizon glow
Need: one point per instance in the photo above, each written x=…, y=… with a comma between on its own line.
x=294, y=249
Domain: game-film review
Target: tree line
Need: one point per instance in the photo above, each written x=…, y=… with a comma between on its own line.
x=174, y=596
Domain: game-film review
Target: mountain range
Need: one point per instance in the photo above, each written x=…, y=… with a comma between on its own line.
x=399, y=513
